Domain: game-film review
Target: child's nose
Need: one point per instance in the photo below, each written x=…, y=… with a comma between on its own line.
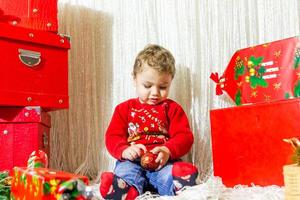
x=155, y=91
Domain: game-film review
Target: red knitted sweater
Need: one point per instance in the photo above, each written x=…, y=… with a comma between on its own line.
x=152, y=125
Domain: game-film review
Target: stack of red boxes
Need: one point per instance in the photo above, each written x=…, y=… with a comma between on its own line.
x=33, y=77
x=247, y=140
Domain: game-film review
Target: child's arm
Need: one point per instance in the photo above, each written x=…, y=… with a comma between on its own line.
x=181, y=137
x=116, y=134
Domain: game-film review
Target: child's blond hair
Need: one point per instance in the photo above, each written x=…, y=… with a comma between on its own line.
x=156, y=57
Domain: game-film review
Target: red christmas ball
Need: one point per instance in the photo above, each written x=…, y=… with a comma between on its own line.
x=148, y=161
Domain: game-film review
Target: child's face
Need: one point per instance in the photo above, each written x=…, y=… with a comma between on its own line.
x=152, y=86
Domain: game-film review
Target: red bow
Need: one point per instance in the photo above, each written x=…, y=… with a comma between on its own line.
x=216, y=79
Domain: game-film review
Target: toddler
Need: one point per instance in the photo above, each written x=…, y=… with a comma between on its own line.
x=150, y=122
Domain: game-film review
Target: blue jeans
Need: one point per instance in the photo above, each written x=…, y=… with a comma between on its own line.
x=133, y=174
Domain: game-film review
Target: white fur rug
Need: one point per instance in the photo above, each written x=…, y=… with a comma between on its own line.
x=214, y=189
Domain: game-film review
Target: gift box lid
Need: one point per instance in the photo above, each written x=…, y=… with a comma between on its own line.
x=262, y=73
x=34, y=14
x=27, y=114
x=34, y=36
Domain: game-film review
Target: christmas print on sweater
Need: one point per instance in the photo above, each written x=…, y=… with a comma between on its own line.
x=148, y=125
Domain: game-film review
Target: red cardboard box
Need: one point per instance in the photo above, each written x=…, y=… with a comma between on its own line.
x=39, y=183
x=262, y=73
x=34, y=68
x=34, y=14
x=247, y=141
x=22, y=131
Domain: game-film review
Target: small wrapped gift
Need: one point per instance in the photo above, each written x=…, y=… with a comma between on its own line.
x=42, y=184
x=262, y=73
x=291, y=173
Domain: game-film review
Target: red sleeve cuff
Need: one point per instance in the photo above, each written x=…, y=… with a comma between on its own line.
x=119, y=151
x=172, y=156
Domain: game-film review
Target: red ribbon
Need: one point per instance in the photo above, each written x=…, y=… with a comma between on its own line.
x=215, y=77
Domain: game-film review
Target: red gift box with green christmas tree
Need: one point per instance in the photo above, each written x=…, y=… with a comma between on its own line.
x=41, y=183
x=262, y=73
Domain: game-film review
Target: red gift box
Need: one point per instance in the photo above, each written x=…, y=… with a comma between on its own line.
x=39, y=183
x=34, y=68
x=22, y=131
x=262, y=73
x=34, y=14
x=247, y=141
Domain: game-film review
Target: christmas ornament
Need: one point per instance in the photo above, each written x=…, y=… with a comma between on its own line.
x=37, y=159
x=148, y=161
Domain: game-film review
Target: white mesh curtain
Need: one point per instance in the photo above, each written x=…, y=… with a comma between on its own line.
x=106, y=36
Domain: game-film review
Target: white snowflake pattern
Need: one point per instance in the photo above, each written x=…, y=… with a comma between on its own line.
x=133, y=114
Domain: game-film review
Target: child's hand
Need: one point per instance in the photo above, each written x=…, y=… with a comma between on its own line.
x=163, y=155
x=133, y=152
